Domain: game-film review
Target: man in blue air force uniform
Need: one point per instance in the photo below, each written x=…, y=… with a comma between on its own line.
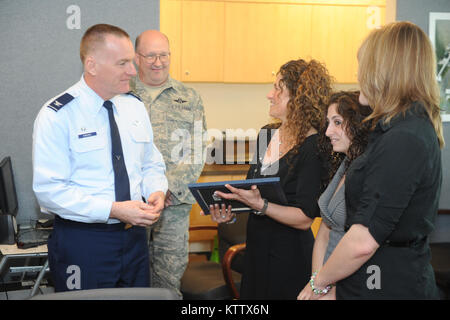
x=94, y=162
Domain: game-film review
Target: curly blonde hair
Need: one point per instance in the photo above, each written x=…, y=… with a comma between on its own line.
x=309, y=86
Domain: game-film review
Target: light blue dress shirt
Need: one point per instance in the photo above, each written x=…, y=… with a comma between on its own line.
x=72, y=169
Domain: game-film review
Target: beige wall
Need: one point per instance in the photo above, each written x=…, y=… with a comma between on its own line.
x=245, y=106
x=239, y=106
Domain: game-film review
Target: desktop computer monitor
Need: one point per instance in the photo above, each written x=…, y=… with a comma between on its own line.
x=8, y=203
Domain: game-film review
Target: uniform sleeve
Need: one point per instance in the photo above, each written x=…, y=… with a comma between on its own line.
x=154, y=167
x=186, y=173
x=392, y=175
x=52, y=171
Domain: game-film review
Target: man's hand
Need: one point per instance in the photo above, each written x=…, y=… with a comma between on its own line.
x=156, y=202
x=133, y=212
x=168, y=200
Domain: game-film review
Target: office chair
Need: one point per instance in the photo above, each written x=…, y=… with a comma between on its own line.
x=112, y=294
x=228, y=259
x=440, y=260
x=207, y=280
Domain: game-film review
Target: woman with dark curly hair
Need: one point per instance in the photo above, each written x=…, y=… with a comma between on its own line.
x=279, y=238
x=346, y=134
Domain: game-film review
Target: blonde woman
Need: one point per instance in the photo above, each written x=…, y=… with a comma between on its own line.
x=392, y=189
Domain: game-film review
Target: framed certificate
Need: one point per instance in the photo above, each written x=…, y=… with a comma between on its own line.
x=269, y=188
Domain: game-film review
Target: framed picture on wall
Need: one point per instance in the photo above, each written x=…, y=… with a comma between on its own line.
x=439, y=32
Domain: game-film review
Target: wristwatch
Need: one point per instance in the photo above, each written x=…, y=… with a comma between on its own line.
x=262, y=212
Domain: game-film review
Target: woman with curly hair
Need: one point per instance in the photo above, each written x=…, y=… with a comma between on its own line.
x=279, y=239
x=346, y=134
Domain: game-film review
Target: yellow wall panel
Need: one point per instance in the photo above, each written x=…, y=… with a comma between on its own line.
x=170, y=25
x=315, y=2
x=259, y=37
x=246, y=41
x=315, y=226
x=337, y=32
x=202, y=41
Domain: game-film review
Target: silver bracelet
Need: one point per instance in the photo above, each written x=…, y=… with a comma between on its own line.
x=262, y=212
x=317, y=290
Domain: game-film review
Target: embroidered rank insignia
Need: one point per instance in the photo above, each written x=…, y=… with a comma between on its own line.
x=60, y=102
x=131, y=93
x=179, y=100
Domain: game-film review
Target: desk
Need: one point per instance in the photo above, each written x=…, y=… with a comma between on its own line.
x=18, y=265
x=13, y=249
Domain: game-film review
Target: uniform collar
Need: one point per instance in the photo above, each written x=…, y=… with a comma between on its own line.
x=140, y=86
x=95, y=101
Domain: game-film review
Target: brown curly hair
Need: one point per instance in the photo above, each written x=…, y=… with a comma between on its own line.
x=353, y=114
x=309, y=86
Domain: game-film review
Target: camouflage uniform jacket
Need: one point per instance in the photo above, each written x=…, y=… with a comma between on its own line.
x=178, y=120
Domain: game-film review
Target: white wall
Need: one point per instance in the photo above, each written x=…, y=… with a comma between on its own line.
x=239, y=106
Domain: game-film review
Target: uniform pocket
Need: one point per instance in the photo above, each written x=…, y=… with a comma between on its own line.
x=90, y=143
x=180, y=119
x=139, y=134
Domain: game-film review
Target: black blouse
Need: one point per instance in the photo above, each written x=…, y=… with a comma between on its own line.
x=393, y=189
x=278, y=257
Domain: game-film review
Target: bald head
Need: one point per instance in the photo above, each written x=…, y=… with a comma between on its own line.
x=153, y=57
x=151, y=36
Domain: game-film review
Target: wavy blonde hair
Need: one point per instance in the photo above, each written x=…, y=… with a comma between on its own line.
x=397, y=66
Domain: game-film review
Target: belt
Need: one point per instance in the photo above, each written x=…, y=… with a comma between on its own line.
x=92, y=226
x=404, y=244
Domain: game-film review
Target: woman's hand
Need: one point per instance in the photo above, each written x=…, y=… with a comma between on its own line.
x=330, y=295
x=251, y=198
x=308, y=294
x=220, y=214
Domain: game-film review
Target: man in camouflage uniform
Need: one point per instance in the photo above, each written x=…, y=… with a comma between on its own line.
x=178, y=121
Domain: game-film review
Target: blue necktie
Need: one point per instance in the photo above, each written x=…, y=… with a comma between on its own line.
x=121, y=181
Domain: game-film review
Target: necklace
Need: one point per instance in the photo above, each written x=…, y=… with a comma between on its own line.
x=280, y=142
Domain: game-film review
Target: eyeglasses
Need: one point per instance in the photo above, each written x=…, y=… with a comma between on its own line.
x=151, y=58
